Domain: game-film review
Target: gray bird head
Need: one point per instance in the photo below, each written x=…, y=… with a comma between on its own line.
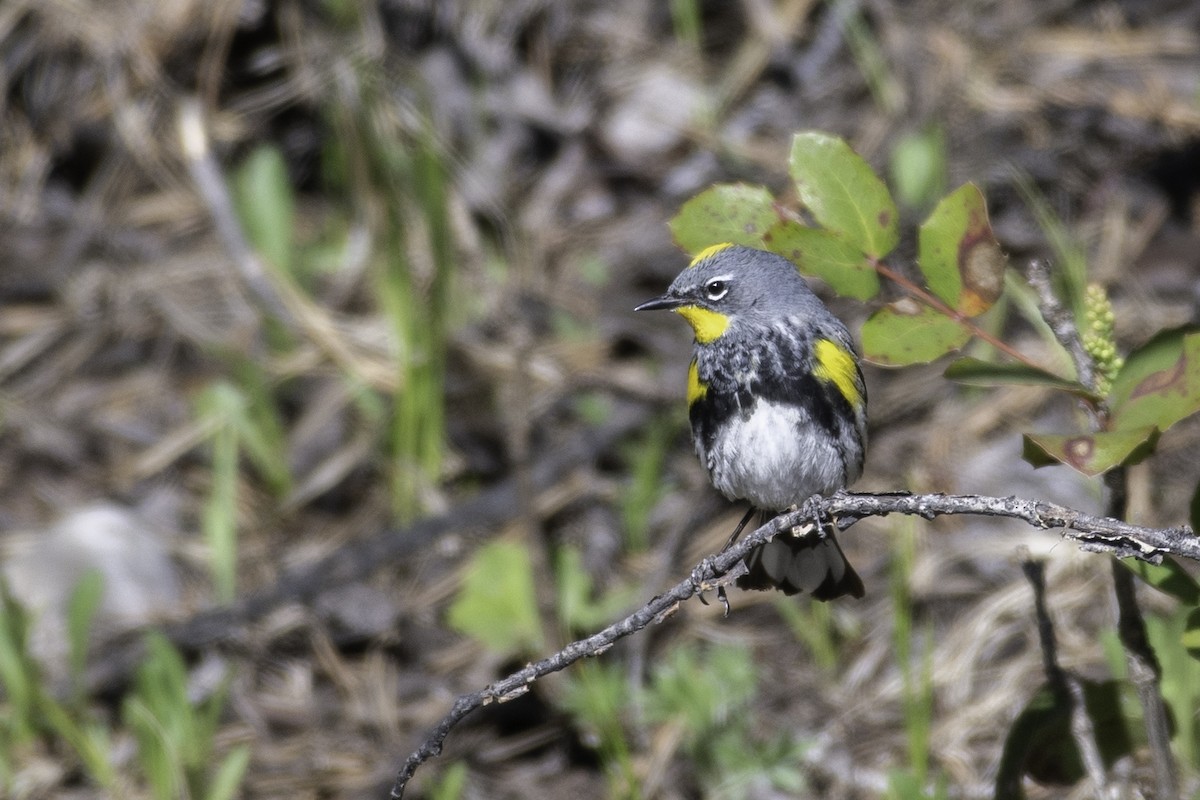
x=735, y=286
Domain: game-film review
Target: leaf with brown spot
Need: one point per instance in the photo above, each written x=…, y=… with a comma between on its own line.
x=958, y=254
x=725, y=212
x=1090, y=453
x=1159, y=384
x=907, y=332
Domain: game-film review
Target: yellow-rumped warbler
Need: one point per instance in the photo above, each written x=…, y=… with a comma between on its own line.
x=777, y=404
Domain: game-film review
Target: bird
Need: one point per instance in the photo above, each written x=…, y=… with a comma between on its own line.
x=777, y=406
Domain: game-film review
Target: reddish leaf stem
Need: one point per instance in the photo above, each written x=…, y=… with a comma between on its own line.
x=937, y=305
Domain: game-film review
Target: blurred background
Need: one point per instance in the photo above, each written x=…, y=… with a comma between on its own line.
x=319, y=314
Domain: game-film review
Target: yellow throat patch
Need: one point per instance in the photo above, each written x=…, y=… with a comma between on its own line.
x=835, y=365
x=708, y=325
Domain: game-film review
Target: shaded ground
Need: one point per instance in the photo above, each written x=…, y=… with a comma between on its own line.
x=569, y=133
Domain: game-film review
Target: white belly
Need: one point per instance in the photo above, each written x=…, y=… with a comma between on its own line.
x=774, y=458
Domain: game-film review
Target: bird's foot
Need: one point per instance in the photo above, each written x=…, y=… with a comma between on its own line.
x=814, y=509
x=704, y=581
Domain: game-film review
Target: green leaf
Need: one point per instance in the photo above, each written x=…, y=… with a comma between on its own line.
x=1090, y=453
x=225, y=782
x=1159, y=384
x=1039, y=743
x=497, y=603
x=907, y=332
x=825, y=255
x=843, y=193
x=451, y=784
x=1168, y=577
x=1191, y=634
x=580, y=607
x=726, y=212
x=266, y=205
x=958, y=254
x=918, y=167
x=974, y=372
x=81, y=610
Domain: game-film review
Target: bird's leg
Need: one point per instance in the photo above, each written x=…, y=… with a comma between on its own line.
x=733, y=537
x=738, y=530
x=706, y=566
x=814, y=509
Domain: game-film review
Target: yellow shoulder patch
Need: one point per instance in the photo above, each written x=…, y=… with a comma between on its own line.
x=709, y=252
x=707, y=324
x=696, y=390
x=836, y=365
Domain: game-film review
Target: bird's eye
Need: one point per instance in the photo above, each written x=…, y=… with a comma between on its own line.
x=716, y=289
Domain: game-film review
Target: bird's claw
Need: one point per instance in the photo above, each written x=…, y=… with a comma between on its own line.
x=699, y=581
x=814, y=509
x=704, y=584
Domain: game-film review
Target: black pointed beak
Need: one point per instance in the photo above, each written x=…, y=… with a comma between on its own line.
x=666, y=302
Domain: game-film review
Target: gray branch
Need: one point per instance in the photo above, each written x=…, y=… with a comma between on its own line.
x=1100, y=534
x=1061, y=322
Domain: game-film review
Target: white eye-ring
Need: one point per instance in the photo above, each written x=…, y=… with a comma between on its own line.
x=716, y=288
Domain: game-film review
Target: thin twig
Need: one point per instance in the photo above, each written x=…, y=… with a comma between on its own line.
x=1061, y=322
x=206, y=174
x=1067, y=689
x=1144, y=670
x=1093, y=533
x=1143, y=666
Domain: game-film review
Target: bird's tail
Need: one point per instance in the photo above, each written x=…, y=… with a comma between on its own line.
x=813, y=563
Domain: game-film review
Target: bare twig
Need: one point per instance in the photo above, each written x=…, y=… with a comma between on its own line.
x=1067, y=689
x=1061, y=322
x=211, y=184
x=1144, y=670
x=1143, y=666
x=1093, y=533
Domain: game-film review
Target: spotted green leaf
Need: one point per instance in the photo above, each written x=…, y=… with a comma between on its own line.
x=907, y=332
x=958, y=254
x=822, y=254
x=726, y=212
x=843, y=193
x=1159, y=384
x=1090, y=453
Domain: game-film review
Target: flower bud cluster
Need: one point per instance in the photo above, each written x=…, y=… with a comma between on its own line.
x=1098, y=337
